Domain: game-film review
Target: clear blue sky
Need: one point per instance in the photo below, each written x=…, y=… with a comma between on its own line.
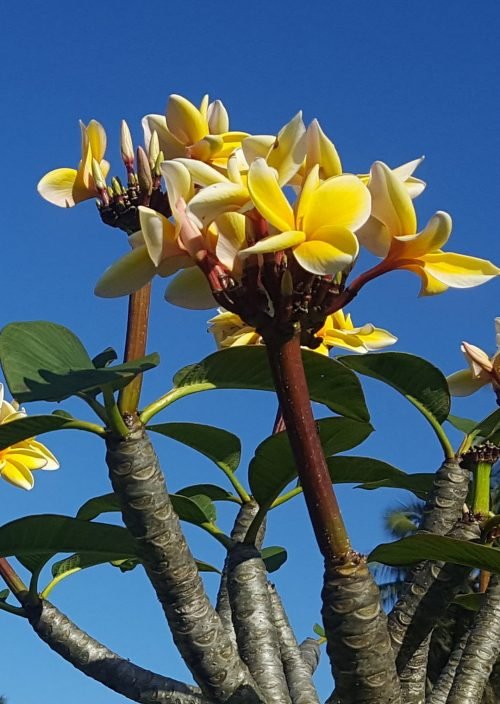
x=388, y=80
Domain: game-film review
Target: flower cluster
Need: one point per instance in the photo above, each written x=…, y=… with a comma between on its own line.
x=482, y=369
x=214, y=208
x=18, y=461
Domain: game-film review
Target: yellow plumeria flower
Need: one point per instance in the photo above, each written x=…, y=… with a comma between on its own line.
x=391, y=233
x=198, y=133
x=19, y=461
x=66, y=187
x=320, y=229
x=338, y=331
x=483, y=370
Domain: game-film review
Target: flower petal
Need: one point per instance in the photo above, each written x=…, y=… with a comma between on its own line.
x=321, y=258
x=463, y=383
x=57, y=187
x=129, y=273
x=342, y=201
x=430, y=285
x=321, y=150
x=213, y=201
x=201, y=173
x=459, y=270
x=231, y=239
x=257, y=146
x=179, y=183
x=375, y=237
x=289, y=149
x=155, y=228
x=275, y=243
x=97, y=139
x=268, y=197
x=31, y=459
x=190, y=290
x=435, y=234
x=185, y=121
x=391, y=202
x=168, y=143
x=414, y=186
x=50, y=461
x=15, y=473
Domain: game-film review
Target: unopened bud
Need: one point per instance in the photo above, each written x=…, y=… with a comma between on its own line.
x=159, y=159
x=144, y=171
x=126, y=145
x=218, y=120
x=98, y=176
x=117, y=186
x=154, y=148
x=286, y=284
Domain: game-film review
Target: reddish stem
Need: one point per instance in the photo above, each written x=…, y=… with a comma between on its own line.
x=11, y=578
x=339, y=301
x=293, y=394
x=135, y=345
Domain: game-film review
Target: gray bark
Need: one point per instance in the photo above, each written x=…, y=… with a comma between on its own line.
x=441, y=689
x=310, y=651
x=447, y=498
x=103, y=665
x=358, y=642
x=481, y=650
x=196, y=627
x=253, y=622
x=297, y=672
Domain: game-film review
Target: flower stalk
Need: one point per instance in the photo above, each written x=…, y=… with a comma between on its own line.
x=135, y=345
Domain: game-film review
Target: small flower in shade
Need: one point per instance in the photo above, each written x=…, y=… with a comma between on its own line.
x=18, y=461
x=198, y=133
x=66, y=187
x=338, y=331
x=483, y=370
x=391, y=233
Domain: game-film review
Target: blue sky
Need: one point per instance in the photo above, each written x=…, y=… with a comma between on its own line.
x=390, y=80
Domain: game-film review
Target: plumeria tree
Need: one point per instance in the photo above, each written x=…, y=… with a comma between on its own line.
x=269, y=228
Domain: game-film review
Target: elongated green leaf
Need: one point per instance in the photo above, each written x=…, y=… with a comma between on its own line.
x=28, y=427
x=471, y=602
x=319, y=630
x=43, y=361
x=214, y=492
x=330, y=382
x=273, y=467
x=419, y=484
x=197, y=509
x=50, y=533
x=416, y=548
x=418, y=380
x=354, y=470
x=104, y=358
x=274, y=556
x=465, y=425
x=221, y=446
x=489, y=426
x=4, y=594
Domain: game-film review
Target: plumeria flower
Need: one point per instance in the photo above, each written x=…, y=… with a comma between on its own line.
x=338, y=331
x=66, y=187
x=319, y=230
x=198, y=133
x=483, y=370
x=391, y=233
x=18, y=461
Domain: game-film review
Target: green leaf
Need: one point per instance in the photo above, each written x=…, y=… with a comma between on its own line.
x=471, y=602
x=44, y=361
x=214, y=492
x=274, y=556
x=28, y=427
x=273, y=467
x=489, y=426
x=418, y=380
x=330, y=382
x=50, y=533
x=4, y=594
x=220, y=446
x=416, y=548
x=104, y=358
x=128, y=565
x=319, y=630
x=465, y=425
x=78, y=561
x=107, y=503
x=419, y=484
x=34, y=561
x=197, y=509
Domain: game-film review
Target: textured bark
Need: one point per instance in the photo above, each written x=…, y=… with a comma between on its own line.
x=105, y=666
x=297, y=672
x=358, y=642
x=253, y=622
x=446, y=501
x=310, y=651
x=242, y=523
x=428, y=590
x=196, y=627
x=481, y=650
x=441, y=689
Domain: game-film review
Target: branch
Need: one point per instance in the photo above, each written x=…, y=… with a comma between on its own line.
x=310, y=651
x=429, y=588
x=196, y=627
x=441, y=689
x=358, y=641
x=448, y=494
x=297, y=672
x=101, y=664
x=253, y=622
x=481, y=651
